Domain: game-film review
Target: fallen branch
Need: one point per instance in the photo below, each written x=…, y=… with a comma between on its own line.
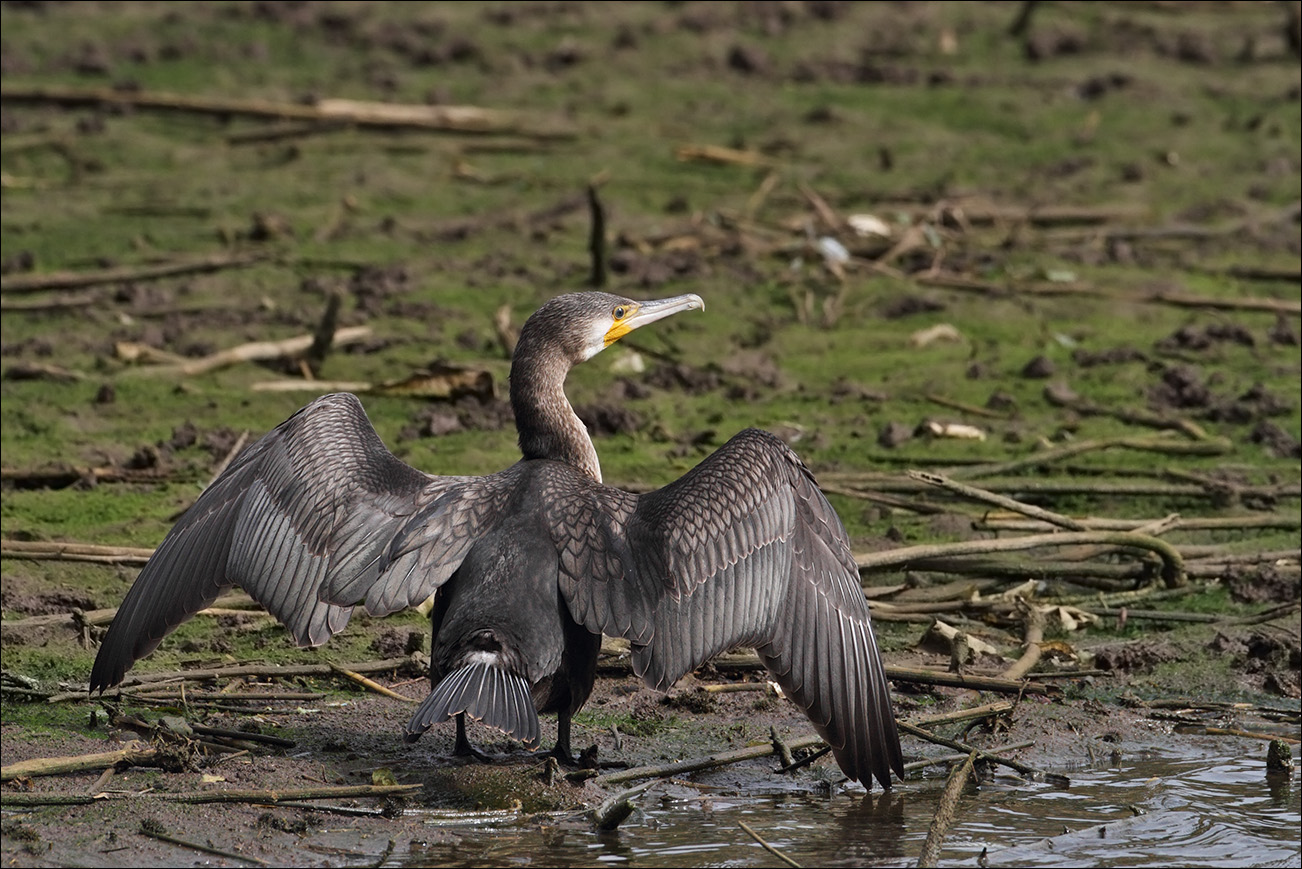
x=908, y=557
x=945, y=810
x=32, y=283
x=459, y=119
x=259, y=796
x=56, y=551
x=1287, y=521
x=952, y=281
x=1248, y=734
x=135, y=753
x=1034, y=636
x=1004, y=501
x=242, y=670
x=61, y=477
x=260, y=351
x=1160, y=444
x=708, y=762
x=976, y=683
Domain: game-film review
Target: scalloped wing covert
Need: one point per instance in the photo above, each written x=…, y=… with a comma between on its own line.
x=311, y=505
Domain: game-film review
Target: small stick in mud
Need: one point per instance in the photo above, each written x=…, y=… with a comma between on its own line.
x=371, y=684
x=989, y=710
x=781, y=747
x=597, y=238
x=713, y=760
x=155, y=830
x=1023, y=768
x=766, y=846
x=323, y=337
x=195, y=798
x=944, y=817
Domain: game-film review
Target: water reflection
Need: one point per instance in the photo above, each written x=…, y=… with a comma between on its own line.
x=1195, y=812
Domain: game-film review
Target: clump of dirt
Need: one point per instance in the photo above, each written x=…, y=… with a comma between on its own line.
x=1134, y=656
x=24, y=601
x=1262, y=584
x=1265, y=662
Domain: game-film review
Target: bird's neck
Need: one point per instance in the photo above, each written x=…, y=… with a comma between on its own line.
x=548, y=426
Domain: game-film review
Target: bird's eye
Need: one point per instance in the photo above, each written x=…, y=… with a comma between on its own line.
x=619, y=312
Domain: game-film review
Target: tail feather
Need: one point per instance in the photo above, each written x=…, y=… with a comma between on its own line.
x=487, y=694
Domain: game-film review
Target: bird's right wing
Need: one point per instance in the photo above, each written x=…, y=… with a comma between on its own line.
x=312, y=506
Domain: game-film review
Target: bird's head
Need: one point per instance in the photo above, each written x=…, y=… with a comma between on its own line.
x=584, y=324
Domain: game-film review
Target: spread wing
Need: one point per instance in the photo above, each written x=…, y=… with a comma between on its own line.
x=742, y=550
x=305, y=521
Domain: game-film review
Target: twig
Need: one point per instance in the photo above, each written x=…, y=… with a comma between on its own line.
x=1025, y=769
x=371, y=684
x=323, y=336
x=974, y=712
x=258, y=351
x=1160, y=444
x=916, y=765
x=766, y=846
x=1287, y=521
x=259, y=796
x=977, y=683
x=1248, y=734
x=719, y=154
x=147, y=829
x=708, y=762
x=230, y=455
x=56, y=551
x=964, y=406
x=945, y=810
x=597, y=239
x=1179, y=299
x=243, y=736
x=998, y=500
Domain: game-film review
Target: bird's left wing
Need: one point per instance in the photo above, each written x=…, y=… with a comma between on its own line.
x=743, y=550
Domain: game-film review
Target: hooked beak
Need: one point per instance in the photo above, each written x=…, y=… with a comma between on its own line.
x=649, y=312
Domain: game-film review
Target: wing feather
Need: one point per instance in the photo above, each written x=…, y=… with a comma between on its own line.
x=744, y=549
x=310, y=508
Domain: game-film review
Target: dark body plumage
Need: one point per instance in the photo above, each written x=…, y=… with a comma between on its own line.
x=531, y=565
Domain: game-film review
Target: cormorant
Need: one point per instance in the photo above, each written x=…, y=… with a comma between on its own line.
x=532, y=564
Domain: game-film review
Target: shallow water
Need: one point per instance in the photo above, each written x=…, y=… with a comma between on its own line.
x=1218, y=811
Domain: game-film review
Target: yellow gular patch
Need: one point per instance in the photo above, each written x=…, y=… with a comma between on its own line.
x=625, y=317
x=617, y=331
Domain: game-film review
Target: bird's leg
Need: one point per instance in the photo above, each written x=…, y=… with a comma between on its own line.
x=463, y=748
x=561, y=751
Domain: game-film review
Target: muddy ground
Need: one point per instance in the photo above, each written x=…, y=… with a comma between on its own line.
x=344, y=738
